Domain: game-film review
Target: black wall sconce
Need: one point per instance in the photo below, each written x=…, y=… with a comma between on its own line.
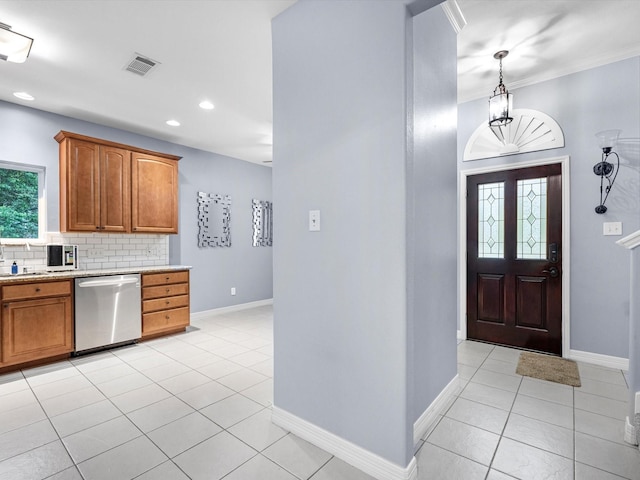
x=605, y=169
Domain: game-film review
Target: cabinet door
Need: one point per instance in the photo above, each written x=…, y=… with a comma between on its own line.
x=115, y=189
x=79, y=186
x=154, y=192
x=36, y=329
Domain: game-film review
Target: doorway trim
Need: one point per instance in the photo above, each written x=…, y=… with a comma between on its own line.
x=566, y=245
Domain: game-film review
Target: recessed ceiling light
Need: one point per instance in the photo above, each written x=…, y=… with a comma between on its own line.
x=23, y=96
x=173, y=123
x=206, y=105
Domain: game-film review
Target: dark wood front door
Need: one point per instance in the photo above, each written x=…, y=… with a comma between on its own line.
x=514, y=258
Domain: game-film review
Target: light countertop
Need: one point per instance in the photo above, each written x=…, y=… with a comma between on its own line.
x=31, y=276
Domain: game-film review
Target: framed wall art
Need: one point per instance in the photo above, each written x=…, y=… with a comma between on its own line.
x=262, y=223
x=214, y=220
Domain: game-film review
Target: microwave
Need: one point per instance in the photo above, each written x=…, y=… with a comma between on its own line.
x=62, y=257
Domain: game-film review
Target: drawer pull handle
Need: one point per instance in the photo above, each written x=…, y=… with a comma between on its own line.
x=37, y=289
x=168, y=290
x=167, y=302
x=167, y=317
x=167, y=278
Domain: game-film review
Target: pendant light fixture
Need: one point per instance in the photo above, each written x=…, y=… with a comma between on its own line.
x=14, y=47
x=501, y=103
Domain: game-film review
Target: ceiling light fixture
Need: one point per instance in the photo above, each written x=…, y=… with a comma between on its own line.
x=501, y=102
x=14, y=47
x=173, y=123
x=23, y=96
x=206, y=105
x=604, y=169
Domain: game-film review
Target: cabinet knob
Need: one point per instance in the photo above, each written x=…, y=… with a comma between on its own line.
x=168, y=290
x=37, y=289
x=97, y=227
x=167, y=302
x=167, y=317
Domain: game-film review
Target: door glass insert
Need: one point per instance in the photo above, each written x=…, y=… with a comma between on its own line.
x=532, y=218
x=491, y=220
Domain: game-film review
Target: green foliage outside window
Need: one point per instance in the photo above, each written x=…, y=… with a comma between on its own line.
x=18, y=204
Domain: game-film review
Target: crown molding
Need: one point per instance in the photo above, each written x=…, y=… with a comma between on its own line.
x=454, y=14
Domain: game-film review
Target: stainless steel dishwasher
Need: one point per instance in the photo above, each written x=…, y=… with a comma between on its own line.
x=107, y=311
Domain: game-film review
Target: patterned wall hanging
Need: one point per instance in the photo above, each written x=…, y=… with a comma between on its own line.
x=262, y=223
x=214, y=220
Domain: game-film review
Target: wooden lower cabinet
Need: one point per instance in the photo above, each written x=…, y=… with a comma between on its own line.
x=37, y=321
x=165, y=302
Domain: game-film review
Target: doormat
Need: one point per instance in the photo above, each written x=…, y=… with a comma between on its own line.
x=547, y=367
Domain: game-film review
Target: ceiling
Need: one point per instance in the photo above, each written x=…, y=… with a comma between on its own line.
x=220, y=50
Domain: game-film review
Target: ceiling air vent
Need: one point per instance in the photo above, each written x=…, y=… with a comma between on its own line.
x=141, y=65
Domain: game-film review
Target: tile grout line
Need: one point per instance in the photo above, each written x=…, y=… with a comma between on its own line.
x=73, y=463
x=503, y=428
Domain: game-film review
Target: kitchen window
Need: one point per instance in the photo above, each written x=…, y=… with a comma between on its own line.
x=22, y=203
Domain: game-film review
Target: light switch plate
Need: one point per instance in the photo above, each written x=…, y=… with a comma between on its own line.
x=314, y=220
x=612, y=228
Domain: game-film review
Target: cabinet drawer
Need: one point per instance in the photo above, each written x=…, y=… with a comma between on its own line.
x=165, y=320
x=165, y=303
x=165, y=291
x=36, y=290
x=149, y=279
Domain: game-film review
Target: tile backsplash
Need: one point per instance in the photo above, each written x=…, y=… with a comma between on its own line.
x=95, y=251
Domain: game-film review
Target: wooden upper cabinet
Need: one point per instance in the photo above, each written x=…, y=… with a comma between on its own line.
x=154, y=193
x=79, y=186
x=115, y=189
x=104, y=186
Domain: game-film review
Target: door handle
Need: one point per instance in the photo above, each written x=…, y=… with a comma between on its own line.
x=553, y=272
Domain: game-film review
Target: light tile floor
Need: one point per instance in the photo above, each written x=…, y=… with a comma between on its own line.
x=197, y=406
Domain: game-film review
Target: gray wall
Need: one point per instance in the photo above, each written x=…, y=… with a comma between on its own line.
x=634, y=334
x=345, y=308
x=583, y=104
x=26, y=136
x=431, y=210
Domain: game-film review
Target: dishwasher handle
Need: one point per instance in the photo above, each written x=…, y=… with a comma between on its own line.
x=107, y=283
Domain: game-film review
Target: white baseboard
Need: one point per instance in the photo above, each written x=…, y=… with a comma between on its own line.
x=618, y=363
x=232, y=308
x=354, y=455
x=430, y=415
x=630, y=435
x=459, y=335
